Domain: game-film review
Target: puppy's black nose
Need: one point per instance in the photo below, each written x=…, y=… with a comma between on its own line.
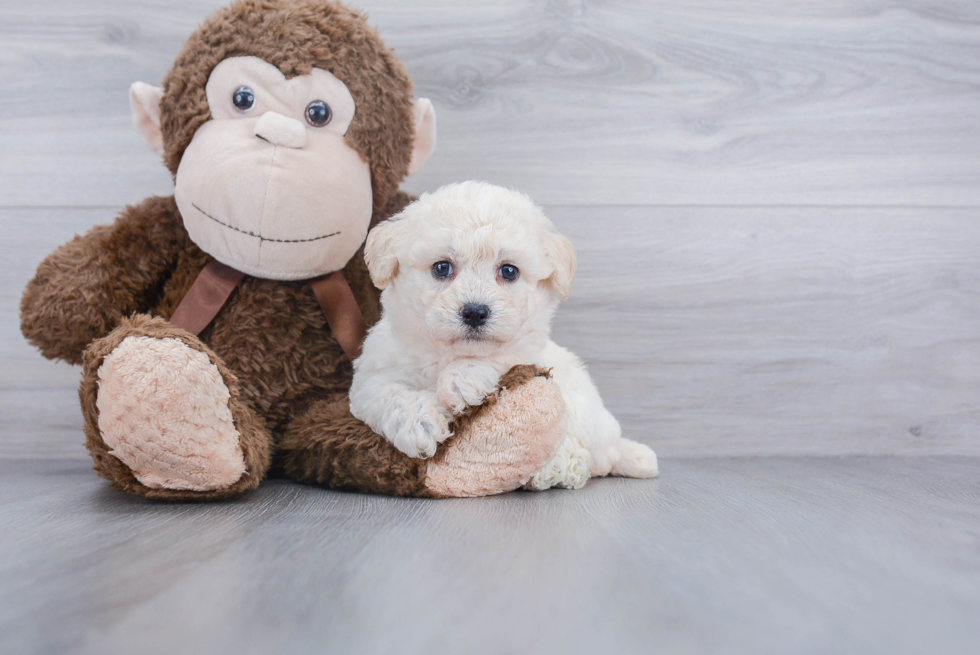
x=475, y=315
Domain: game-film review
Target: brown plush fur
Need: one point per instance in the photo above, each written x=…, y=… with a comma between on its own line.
x=326, y=445
x=270, y=342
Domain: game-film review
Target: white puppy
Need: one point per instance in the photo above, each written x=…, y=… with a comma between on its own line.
x=471, y=277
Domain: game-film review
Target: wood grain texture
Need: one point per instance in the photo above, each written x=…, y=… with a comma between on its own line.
x=781, y=330
x=618, y=102
x=710, y=331
x=866, y=555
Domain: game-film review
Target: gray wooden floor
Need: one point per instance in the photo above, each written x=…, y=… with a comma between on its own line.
x=745, y=555
x=777, y=211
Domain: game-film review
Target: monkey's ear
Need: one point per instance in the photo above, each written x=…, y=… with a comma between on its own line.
x=380, y=251
x=561, y=254
x=425, y=133
x=144, y=102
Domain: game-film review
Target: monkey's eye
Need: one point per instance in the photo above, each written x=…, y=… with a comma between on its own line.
x=509, y=273
x=244, y=99
x=318, y=113
x=442, y=270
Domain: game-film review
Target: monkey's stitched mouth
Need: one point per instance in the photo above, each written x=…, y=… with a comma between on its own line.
x=259, y=236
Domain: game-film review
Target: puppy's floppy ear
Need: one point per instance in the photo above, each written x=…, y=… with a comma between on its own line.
x=561, y=254
x=380, y=248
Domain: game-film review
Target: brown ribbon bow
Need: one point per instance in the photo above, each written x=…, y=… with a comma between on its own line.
x=214, y=285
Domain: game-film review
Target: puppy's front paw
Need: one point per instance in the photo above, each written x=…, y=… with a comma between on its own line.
x=423, y=427
x=465, y=384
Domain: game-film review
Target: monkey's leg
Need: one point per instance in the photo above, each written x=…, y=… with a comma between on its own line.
x=497, y=446
x=326, y=445
x=163, y=416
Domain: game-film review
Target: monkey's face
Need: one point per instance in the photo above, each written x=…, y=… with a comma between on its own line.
x=269, y=185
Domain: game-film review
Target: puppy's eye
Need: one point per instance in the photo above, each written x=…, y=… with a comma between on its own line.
x=318, y=113
x=442, y=270
x=244, y=99
x=509, y=273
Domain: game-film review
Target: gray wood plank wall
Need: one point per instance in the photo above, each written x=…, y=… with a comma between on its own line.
x=775, y=203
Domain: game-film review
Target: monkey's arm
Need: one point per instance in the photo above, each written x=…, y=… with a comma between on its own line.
x=84, y=288
x=497, y=446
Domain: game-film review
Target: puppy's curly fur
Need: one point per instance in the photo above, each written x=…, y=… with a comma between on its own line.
x=472, y=275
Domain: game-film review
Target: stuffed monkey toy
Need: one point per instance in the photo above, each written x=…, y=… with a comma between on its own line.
x=216, y=327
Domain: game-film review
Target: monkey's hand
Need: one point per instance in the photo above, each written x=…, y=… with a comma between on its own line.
x=86, y=287
x=465, y=383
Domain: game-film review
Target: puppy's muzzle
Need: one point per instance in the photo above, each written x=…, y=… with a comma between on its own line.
x=474, y=315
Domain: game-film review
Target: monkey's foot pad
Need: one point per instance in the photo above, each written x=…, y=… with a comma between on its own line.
x=505, y=441
x=163, y=411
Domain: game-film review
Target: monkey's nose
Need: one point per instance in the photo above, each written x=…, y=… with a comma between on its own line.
x=280, y=130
